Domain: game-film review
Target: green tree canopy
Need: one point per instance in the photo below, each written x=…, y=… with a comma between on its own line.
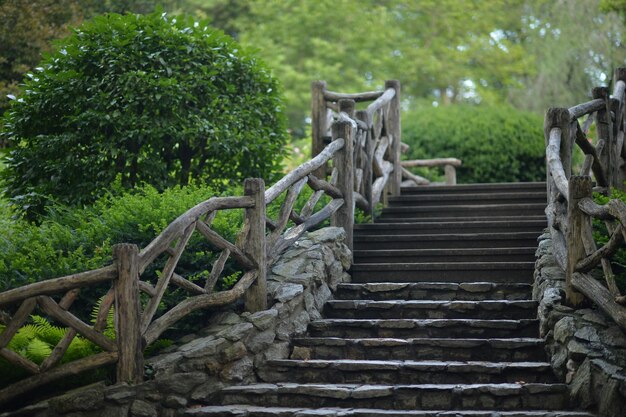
x=147, y=98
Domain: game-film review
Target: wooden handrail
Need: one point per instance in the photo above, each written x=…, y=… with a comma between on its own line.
x=365, y=149
x=571, y=207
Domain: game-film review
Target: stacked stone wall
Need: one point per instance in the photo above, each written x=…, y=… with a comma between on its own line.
x=586, y=348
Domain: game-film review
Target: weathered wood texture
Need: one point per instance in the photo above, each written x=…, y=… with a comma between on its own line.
x=128, y=316
x=571, y=208
x=256, y=297
x=579, y=188
x=344, y=216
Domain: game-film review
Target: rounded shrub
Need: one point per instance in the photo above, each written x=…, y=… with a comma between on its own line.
x=496, y=144
x=152, y=99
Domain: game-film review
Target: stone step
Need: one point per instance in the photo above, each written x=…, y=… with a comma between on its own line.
x=521, y=254
x=421, y=226
x=430, y=309
x=401, y=397
x=414, y=328
x=446, y=241
x=239, y=410
x=465, y=349
x=376, y=372
x=465, y=217
x=505, y=197
x=444, y=272
x=489, y=188
x=450, y=291
x=486, y=210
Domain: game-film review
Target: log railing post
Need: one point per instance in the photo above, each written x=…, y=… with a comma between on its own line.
x=255, y=245
x=579, y=188
x=394, y=129
x=605, y=134
x=450, y=172
x=620, y=75
x=318, y=122
x=369, y=160
x=127, y=315
x=344, y=216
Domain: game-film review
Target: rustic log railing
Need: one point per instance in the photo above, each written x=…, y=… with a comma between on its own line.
x=571, y=208
x=379, y=137
x=362, y=170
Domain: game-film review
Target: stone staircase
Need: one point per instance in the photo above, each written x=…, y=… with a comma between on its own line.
x=437, y=321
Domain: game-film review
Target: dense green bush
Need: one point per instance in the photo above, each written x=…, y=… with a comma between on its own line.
x=149, y=98
x=70, y=240
x=496, y=144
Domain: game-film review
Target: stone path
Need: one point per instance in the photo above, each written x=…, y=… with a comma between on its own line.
x=438, y=320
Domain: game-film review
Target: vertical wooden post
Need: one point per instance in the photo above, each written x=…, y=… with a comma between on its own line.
x=579, y=188
x=318, y=122
x=344, y=217
x=558, y=117
x=127, y=315
x=369, y=157
x=256, y=296
x=394, y=128
x=347, y=106
x=450, y=172
x=605, y=133
x=620, y=75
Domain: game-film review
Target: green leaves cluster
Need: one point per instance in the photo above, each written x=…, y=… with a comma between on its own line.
x=496, y=144
x=146, y=99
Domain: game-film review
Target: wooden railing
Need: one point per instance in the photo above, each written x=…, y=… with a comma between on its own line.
x=571, y=207
x=365, y=153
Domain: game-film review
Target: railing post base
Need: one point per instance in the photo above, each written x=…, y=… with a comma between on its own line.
x=579, y=188
x=255, y=245
x=127, y=315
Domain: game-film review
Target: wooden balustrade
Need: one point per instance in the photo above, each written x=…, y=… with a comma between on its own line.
x=364, y=150
x=571, y=208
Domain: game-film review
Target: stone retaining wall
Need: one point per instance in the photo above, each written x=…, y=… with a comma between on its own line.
x=230, y=350
x=587, y=350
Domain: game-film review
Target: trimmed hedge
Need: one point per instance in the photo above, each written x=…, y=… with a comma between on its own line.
x=153, y=99
x=496, y=144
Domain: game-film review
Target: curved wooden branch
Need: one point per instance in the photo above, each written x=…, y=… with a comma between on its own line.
x=303, y=170
x=72, y=368
x=52, y=308
x=285, y=210
x=57, y=285
x=294, y=233
x=586, y=108
x=361, y=202
x=166, y=275
x=321, y=185
x=182, y=309
x=221, y=243
x=358, y=97
x=381, y=101
x=175, y=229
x=606, y=251
x=614, y=209
x=601, y=296
x=432, y=162
x=554, y=162
x=417, y=179
x=21, y=315
x=589, y=149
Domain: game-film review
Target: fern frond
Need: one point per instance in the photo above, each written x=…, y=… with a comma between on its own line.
x=48, y=332
x=38, y=350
